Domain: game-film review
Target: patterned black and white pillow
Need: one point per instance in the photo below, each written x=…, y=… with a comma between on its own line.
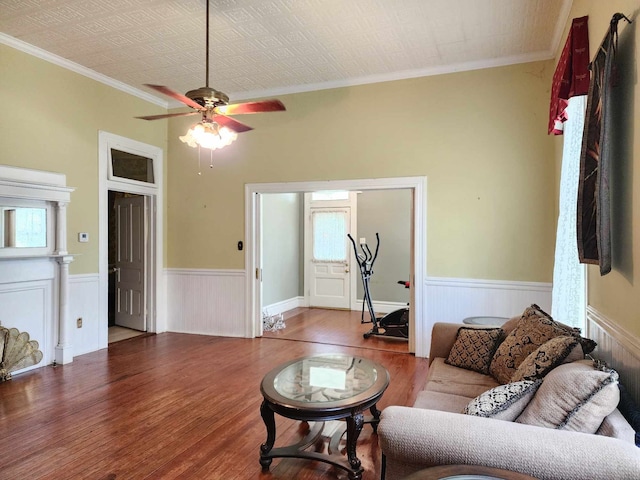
x=504, y=402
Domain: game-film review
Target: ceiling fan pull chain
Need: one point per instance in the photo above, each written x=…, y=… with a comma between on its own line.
x=199, y=155
x=210, y=158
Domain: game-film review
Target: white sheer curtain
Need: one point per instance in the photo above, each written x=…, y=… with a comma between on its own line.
x=569, y=276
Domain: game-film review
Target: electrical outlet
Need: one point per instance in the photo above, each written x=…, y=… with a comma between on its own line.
x=79, y=322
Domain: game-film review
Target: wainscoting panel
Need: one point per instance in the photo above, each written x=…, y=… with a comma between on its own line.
x=207, y=302
x=27, y=306
x=452, y=299
x=619, y=348
x=83, y=303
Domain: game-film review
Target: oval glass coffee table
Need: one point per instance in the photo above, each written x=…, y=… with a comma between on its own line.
x=320, y=388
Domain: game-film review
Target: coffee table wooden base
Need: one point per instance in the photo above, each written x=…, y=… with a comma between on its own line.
x=354, y=423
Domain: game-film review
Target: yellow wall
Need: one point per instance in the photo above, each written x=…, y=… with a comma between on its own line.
x=617, y=295
x=480, y=138
x=49, y=120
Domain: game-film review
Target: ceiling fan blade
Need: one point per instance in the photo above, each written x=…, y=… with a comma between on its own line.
x=167, y=115
x=175, y=95
x=231, y=124
x=272, y=105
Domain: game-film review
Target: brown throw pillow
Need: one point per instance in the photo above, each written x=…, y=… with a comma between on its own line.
x=473, y=348
x=548, y=356
x=575, y=396
x=534, y=329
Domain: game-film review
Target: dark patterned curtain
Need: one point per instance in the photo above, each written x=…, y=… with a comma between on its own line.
x=571, y=77
x=594, y=208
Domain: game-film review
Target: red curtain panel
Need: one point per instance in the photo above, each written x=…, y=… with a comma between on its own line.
x=571, y=77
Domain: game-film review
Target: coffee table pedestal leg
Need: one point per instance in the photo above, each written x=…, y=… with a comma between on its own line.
x=270, y=423
x=354, y=427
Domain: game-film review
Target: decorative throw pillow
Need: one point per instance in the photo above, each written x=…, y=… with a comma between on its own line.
x=548, y=356
x=574, y=396
x=473, y=348
x=534, y=329
x=505, y=402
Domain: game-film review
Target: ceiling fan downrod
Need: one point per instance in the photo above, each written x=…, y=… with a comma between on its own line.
x=207, y=47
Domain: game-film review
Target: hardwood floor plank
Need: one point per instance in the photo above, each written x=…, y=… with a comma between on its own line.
x=174, y=406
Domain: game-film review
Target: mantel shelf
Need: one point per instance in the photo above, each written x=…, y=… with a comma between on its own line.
x=32, y=257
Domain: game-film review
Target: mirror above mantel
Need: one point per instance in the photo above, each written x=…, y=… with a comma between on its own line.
x=26, y=227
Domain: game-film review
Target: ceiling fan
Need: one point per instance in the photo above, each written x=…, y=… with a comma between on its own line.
x=214, y=105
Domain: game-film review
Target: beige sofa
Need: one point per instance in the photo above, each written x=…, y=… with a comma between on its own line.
x=435, y=432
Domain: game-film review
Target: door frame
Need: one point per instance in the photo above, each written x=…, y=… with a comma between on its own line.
x=419, y=336
x=154, y=202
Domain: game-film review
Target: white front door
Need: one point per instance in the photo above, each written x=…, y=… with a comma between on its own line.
x=131, y=263
x=330, y=257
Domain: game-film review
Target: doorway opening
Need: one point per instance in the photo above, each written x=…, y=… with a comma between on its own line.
x=419, y=338
x=128, y=245
x=130, y=238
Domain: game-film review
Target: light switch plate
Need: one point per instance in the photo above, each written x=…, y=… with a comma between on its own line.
x=83, y=237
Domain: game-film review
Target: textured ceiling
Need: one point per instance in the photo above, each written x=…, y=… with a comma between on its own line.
x=267, y=47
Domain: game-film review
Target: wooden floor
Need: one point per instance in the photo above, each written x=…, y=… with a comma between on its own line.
x=172, y=406
x=334, y=327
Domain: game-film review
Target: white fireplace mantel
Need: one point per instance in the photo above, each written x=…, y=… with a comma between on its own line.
x=25, y=270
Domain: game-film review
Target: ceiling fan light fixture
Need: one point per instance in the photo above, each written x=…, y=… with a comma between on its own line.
x=209, y=135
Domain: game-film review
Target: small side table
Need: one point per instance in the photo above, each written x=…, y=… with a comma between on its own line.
x=485, y=320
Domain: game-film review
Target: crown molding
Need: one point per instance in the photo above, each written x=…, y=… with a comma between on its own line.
x=393, y=76
x=77, y=68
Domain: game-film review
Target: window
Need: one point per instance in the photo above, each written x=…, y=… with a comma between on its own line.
x=329, y=236
x=131, y=166
x=330, y=195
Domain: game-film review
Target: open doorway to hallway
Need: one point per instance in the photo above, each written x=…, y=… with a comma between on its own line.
x=419, y=328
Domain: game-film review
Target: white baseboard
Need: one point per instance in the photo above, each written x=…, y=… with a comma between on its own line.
x=380, y=307
x=284, y=305
x=618, y=347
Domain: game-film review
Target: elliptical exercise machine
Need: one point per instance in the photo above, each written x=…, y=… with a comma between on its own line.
x=394, y=324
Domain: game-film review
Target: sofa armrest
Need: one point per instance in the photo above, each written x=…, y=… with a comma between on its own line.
x=414, y=438
x=443, y=336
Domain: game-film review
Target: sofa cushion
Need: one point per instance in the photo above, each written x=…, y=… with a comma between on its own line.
x=457, y=381
x=575, y=396
x=546, y=357
x=534, y=328
x=445, y=402
x=616, y=426
x=504, y=402
x=474, y=348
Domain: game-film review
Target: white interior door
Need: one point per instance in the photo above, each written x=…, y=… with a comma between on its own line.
x=131, y=263
x=330, y=257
